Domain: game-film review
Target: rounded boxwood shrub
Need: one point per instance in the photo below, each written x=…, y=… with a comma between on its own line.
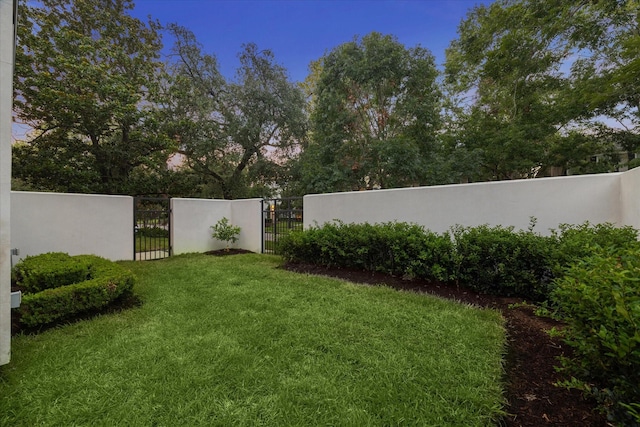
x=49, y=270
x=102, y=283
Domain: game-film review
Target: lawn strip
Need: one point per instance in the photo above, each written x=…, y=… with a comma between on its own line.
x=236, y=341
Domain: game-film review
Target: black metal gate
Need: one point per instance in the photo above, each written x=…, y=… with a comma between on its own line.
x=279, y=216
x=151, y=228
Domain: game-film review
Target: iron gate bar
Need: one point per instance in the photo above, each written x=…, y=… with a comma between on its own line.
x=151, y=226
x=279, y=216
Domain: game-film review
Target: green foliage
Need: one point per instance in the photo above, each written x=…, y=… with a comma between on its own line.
x=51, y=270
x=103, y=282
x=600, y=298
x=395, y=248
x=529, y=111
x=375, y=116
x=234, y=134
x=85, y=79
x=152, y=232
x=501, y=261
x=502, y=57
x=575, y=242
x=492, y=260
x=225, y=232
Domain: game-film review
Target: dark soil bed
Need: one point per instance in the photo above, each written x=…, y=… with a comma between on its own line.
x=231, y=251
x=533, y=399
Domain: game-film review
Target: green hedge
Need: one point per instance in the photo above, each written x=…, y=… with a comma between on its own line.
x=575, y=242
x=103, y=283
x=400, y=249
x=599, y=297
x=50, y=270
x=494, y=260
x=501, y=261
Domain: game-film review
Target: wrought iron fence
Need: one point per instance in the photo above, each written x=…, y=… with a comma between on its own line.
x=279, y=217
x=151, y=228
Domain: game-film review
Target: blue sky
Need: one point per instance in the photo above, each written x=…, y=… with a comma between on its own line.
x=300, y=31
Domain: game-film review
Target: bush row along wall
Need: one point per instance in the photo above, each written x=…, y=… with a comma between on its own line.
x=613, y=198
x=103, y=225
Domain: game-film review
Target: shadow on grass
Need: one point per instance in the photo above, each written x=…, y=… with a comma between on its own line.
x=124, y=302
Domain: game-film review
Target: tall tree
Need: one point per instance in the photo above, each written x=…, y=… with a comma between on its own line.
x=374, y=119
x=235, y=135
x=528, y=108
x=607, y=73
x=85, y=73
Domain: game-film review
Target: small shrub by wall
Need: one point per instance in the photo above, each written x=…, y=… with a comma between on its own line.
x=599, y=297
x=103, y=283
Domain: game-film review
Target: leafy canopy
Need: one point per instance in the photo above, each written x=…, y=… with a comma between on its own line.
x=85, y=77
x=528, y=77
x=374, y=117
x=236, y=135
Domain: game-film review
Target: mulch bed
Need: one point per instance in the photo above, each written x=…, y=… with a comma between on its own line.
x=533, y=399
x=230, y=251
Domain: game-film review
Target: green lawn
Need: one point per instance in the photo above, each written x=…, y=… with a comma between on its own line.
x=234, y=341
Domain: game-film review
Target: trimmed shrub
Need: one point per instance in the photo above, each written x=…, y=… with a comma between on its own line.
x=104, y=282
x=491, y=260
x=396, y=248
x=600, y=299
x=501, y=261
x=575, y=242
x=50, y=270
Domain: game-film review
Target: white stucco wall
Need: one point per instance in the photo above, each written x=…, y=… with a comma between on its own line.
x=192, y=220
x=73, y=223
x=630, y=197
x=247, y=214
x=552, y=201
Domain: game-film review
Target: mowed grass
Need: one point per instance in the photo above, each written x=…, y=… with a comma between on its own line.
x=234, y=341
